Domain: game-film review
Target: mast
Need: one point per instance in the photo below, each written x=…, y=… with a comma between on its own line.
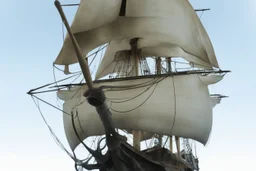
x=158, y=72
x=158, y=65
x=169, y=70
x=137, y=135
x=171, y=146
x=177, y=140
x=169, y=64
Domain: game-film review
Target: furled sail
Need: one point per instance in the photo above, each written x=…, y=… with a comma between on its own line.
x=167, y=26
x=186, y=109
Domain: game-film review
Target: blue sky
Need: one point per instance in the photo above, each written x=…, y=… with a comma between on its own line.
x=30, y=39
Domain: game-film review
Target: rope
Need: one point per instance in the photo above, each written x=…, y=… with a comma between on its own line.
x=201, y=14
x=32, y=91
x=56, y=139
x=150, y=85
x=129, y=87
x=137, y=106
x=50, y=105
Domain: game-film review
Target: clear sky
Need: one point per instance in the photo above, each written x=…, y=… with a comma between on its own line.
x=30, y=39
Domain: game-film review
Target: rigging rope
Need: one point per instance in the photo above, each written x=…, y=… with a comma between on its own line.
x=56, y=139
x=63, y=70
x=94, y=153
x=137, y=106
x=201, y=14
x=134, y=86
x=150, y=85
x=33, y=96
x=32, y=91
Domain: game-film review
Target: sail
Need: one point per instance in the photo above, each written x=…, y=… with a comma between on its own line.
x=216, y=99
x=170, y=24
x=119, y=51
x=165, y=105
x=147, y=135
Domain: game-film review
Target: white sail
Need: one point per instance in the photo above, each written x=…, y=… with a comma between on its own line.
x=216, y=99
x=119, y=50
x=177, y=105
x=147, y=135
x=92, y=14
x=172, y=22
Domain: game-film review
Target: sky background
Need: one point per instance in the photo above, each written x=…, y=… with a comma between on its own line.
x=30, y=39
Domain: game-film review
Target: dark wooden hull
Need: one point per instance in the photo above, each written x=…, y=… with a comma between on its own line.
x=127, y=158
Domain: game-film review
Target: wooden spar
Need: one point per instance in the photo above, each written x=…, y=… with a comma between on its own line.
x=168, y=64
x=171, y=146
x=70, y=5
x=158, y=65
x=177, y=140
x=169, y=70
x=137, y=135
x=158, y=72
x=82, y=62
x=205, y=9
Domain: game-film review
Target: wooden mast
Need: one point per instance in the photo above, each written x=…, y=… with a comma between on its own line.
x=137, y=135
x=158, y=65
x=158, y=72
x=171, y=146
x=168, y=64
x=169, y=70
x=177, y=139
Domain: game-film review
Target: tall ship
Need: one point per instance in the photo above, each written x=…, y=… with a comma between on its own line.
x=148, y=99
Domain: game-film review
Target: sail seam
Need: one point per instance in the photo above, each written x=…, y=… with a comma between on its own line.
x=175, y=111
x=175, y=104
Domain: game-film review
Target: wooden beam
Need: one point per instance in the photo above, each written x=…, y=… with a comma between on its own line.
x=137, y=135
x=168, y=64
x=158, y=71
x=83, y=63
x=171, y=145
x=177, y=140
x=69, y=5
x=158, y=65
x=205, y=9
